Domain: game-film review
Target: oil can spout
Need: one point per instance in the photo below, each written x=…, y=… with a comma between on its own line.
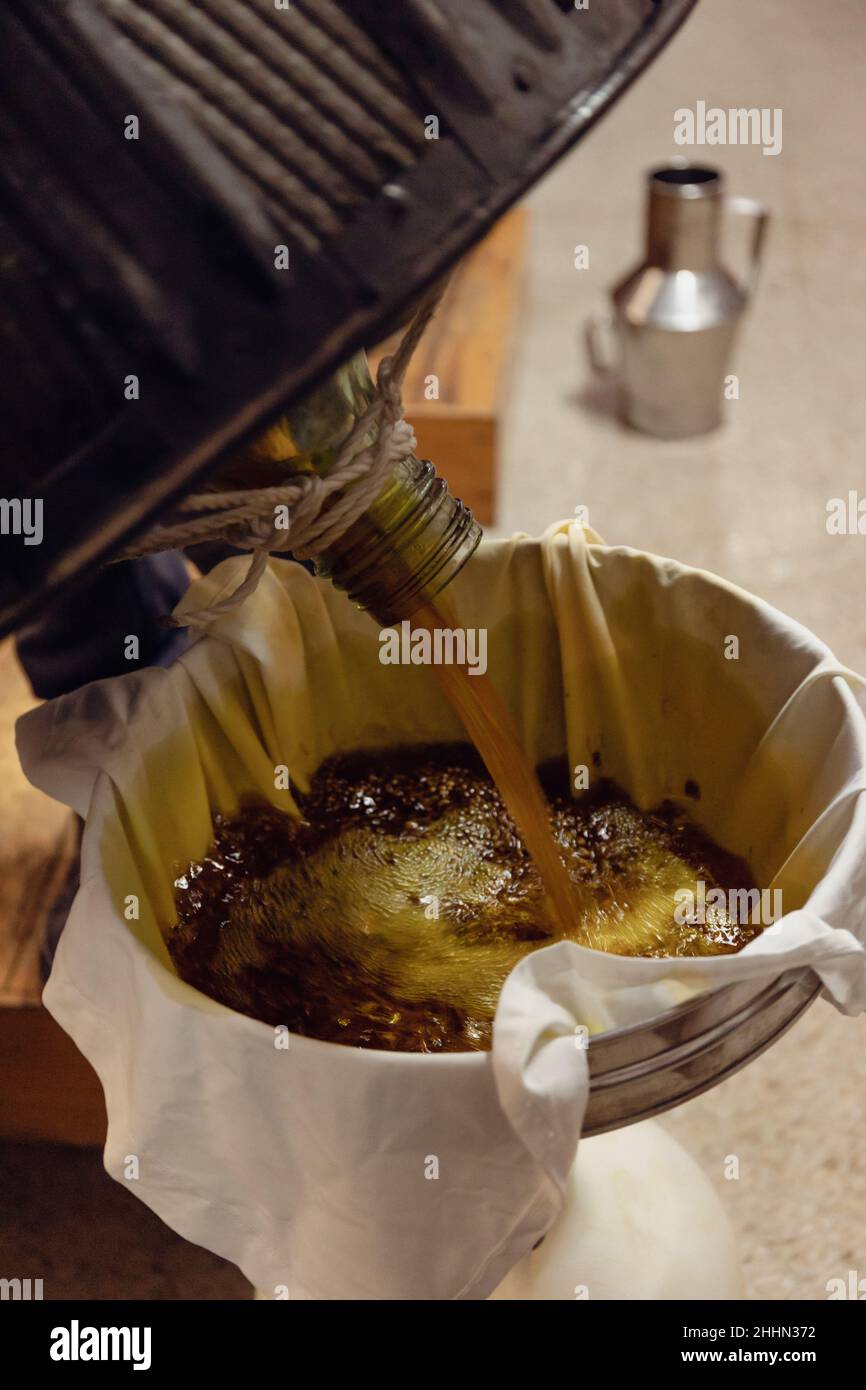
x=684, y=221
x=684, y=216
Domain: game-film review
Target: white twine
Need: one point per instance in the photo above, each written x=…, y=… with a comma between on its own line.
x=246, y=519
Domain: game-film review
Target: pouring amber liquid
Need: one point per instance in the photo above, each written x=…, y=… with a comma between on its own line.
x=487, y=721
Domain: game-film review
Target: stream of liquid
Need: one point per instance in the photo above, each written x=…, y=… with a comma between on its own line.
x=489, y=725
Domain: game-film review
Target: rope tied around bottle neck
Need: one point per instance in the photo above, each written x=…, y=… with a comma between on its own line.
x=314, y=511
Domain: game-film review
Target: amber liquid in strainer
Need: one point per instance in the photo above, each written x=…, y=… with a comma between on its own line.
x=390, y=915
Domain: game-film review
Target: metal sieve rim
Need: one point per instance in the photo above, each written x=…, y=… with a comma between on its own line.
x=743, y=1019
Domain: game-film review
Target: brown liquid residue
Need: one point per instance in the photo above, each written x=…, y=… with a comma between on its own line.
x=392, y=912
x=488, y=723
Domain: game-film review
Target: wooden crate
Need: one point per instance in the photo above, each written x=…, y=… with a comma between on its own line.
x=467, y=349
x=47, y=1089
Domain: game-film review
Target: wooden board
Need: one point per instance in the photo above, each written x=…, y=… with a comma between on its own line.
x=47, y=1089
x=36, y=842
x=467, y=350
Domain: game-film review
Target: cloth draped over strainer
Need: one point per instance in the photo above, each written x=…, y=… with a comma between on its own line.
x=332, y=1172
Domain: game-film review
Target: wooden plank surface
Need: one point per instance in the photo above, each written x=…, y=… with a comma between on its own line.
x=36, y=842
x=47, y=1089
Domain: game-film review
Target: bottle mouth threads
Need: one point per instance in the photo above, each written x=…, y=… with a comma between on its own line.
x=408, y=546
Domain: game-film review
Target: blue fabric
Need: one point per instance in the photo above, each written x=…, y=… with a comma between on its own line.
x=81, y=636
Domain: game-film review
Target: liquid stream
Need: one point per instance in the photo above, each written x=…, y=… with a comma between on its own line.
x=489, y=724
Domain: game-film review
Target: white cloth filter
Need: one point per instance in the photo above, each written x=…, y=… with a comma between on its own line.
x=332, y=1172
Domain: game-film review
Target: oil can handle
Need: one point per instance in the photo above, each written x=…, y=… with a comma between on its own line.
x=750, y=207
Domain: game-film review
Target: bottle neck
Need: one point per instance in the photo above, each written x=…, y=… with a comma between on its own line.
x=406, y=548
x=413, y=538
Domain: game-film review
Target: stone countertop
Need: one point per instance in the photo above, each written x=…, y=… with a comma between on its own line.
x=748, y=502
